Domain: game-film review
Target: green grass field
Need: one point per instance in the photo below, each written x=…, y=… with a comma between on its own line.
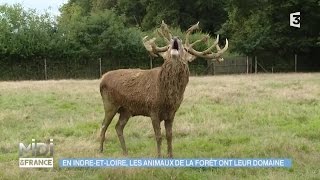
x=233, y=116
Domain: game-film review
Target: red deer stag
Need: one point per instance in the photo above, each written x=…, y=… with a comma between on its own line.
x=156, y=93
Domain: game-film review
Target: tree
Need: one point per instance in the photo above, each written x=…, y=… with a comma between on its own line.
x=263, y=26
x=149, y=13
x=24, y=34
x=211, y=14
x=99, y=35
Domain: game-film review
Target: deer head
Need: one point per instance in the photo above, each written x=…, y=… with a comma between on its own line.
x=175, y=49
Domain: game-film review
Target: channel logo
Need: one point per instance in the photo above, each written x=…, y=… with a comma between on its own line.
x=36, y=155
x=295, y=19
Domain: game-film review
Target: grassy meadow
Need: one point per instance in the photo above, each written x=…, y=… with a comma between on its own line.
x=231, y=116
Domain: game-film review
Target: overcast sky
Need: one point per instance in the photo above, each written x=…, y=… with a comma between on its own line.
x=39, y=5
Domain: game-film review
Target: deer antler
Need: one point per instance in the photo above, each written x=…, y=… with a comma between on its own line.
x=165, y=32
x=151, y=46
x=207, y=54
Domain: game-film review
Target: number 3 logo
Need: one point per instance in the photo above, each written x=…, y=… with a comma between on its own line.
x=295, y=19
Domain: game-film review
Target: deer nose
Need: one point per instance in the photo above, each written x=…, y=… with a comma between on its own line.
x=175, y=44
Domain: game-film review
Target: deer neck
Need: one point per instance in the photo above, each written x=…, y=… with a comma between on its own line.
x=173, y=79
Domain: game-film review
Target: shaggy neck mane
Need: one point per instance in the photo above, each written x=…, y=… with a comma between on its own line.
x=173, y=79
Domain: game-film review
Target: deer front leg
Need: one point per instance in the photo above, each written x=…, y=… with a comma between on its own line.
x=157, y=131
x=168, y=126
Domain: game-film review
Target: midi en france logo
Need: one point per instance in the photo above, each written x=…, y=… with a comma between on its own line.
x=36, y=154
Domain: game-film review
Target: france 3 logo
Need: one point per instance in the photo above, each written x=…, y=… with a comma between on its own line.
x=295, y=19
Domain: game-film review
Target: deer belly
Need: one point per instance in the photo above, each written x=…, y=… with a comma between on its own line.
x=138, y=108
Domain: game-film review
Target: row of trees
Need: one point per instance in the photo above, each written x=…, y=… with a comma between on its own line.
x=112, y=29
x=261, y=28
x=27, y=35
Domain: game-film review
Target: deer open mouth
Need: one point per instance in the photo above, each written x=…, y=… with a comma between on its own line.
x=175, y=45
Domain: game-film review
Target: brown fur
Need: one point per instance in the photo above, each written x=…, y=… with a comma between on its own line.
x=156, y=93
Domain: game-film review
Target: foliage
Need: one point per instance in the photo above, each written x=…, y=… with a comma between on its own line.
x=112, y=30
x=257, y=26
x=24, y=34
x=182, y=13
x=102, y=34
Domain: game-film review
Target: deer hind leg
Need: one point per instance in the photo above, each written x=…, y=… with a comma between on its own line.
x=123, y=119
x=110, y=112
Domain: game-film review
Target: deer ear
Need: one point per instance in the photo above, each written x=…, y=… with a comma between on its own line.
x=189, y=57
x=164, y=55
